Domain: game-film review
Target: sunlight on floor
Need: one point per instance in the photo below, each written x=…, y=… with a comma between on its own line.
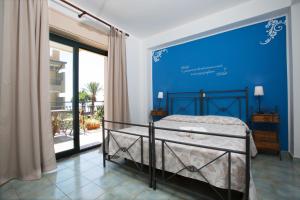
x=65, y=142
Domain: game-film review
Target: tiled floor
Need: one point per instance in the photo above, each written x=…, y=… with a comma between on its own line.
x=275, y=179
x=83, y=177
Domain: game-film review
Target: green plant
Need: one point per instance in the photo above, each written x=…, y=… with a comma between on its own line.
x=99, y=112
x=93, y=88
x=83, y=97
x=55, y=122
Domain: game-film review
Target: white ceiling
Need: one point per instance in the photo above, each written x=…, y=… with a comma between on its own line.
x=144, y=18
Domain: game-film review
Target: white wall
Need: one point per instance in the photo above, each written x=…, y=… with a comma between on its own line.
x=232, y=15
x=135, y=81
x=74, y=29
x=295, y=31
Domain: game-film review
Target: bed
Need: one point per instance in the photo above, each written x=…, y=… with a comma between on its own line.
x=210, y=148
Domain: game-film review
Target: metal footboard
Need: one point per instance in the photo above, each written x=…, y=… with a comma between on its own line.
x=197, y=169
x=152, y=140
x=107, y=136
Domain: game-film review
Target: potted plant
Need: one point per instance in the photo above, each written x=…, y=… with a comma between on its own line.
x=55, y=122
x=91, y=124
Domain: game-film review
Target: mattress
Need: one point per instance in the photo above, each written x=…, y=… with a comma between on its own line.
x=178, y=155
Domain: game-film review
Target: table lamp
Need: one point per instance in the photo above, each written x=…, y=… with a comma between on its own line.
x=258, y=92
x=160, y=96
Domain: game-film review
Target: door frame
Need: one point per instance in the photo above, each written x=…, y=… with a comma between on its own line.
x=75, y=104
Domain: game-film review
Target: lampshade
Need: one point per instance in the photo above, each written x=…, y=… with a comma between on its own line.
x=160, y=95
x=259, y=91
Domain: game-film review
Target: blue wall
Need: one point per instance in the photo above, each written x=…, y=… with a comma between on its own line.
x=246, y=56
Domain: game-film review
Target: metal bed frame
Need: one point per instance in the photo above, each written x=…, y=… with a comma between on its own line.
x=197, y=169
x=107, y=157
x=152, y=140
x=203, y=101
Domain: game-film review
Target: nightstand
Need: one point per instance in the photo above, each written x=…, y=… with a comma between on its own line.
x=158, y=114
x=266, y=132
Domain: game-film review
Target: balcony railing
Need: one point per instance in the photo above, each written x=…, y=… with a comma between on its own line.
x=62, y=117
x=66, y=106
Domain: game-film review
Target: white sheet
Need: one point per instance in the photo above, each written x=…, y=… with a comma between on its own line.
x=216, y=172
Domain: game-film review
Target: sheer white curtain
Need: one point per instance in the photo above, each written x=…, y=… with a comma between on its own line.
x=26, y=142
x=116, y=91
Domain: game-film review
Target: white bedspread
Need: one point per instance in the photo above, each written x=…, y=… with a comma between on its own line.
x=216, y=172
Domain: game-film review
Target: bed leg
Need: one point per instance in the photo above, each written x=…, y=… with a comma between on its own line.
x=150, y=154
x=229, y=175
x=142, y=153
x=103, y=143
x=247, y=165
x=153, y=158
x=163, y=159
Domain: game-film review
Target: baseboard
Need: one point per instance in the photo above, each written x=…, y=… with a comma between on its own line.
x=289, y=155
x=286, y=155
x=297, y=159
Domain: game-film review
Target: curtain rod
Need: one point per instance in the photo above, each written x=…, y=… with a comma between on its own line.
x=84, y=12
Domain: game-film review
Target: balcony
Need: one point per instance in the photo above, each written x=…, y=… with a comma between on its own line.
x=89, y=122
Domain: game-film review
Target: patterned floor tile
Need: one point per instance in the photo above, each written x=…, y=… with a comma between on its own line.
x=107, y=196
x=83, y=166
x=23, y=188
x=88, y=192
x=128, y=190
x=6, y=186
x=51, y=192
x=73, y=184
x=62, y=175
x=109, y=181
x=94, y=173
x=83, y=177
x=150, y=194
x=9, y=194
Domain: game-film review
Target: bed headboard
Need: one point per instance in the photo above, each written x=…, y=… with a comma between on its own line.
x=209, y=102
x=183, y=103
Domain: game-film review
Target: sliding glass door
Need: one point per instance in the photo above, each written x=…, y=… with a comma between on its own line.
x=91, y=97
x=76, y=95
x=61, y=94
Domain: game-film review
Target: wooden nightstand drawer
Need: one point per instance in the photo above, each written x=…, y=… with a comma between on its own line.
x=269, y=118
x=275, y=119
x=160, y=113
x=265, y=128
x=267, y=136
x=266, y=146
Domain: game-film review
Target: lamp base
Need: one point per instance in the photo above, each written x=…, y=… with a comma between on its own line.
x=159, y=102
x=259, y=109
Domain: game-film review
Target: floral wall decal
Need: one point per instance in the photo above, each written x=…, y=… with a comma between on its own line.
x=158, y=54
x=273, y=27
